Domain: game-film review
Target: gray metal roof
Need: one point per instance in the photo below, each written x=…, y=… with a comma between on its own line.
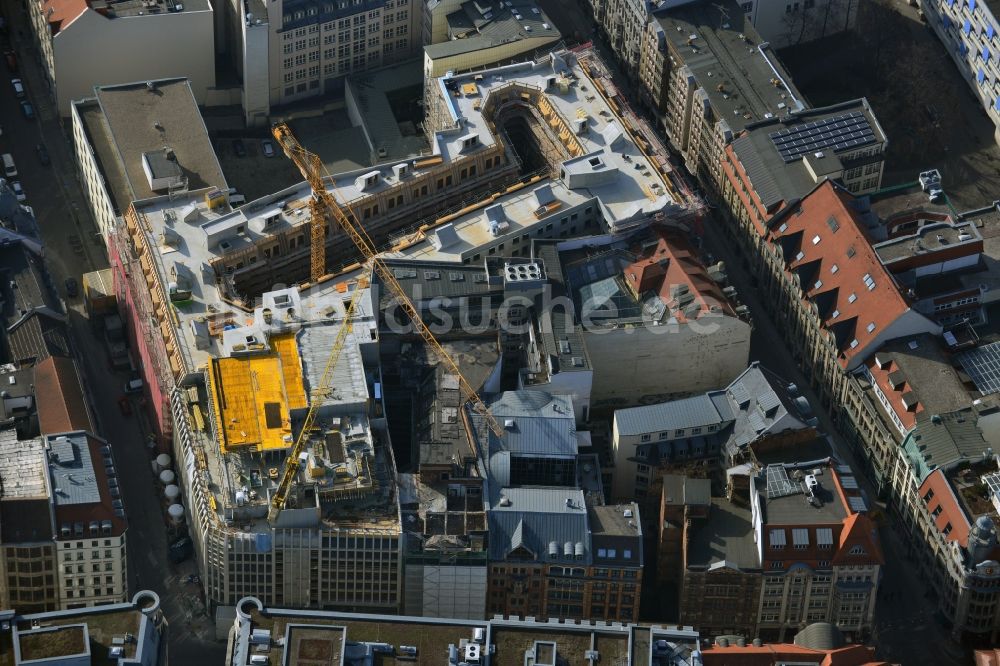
x=760, y=401
x=471, y=30
x=534, y=422
x=696, y=411
x=74, y=479
x=538, y=518
x=820, y=636
x=726, y=536
x=943, y=440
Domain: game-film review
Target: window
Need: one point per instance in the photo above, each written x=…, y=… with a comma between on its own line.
x=627, y=554
x=602, y=552
x=857, y=550
x=645, y=438
x=776, y=565
x=678, y=433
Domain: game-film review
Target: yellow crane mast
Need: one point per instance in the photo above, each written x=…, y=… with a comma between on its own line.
x=324, y=205
x=319, y=392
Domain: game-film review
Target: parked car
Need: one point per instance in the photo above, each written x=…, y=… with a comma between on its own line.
x=18, y=190
x=180, y=550
x=28, y=110
x=43, y=154
x=133, y=386
x=11, y=58
x=267, y=147
x=125, y=406
x=18, y=88
x=72, y=288
x=239, y=148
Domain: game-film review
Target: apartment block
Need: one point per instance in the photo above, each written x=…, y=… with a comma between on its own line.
x=81, y=44
x=968, y=32
x=556, y=551
x=467, y=35
x=287, y=51
x=130, y=632
x=758, y=411
x=707, y=77
x=289, y=636
x=137, y=141
x=634, y=294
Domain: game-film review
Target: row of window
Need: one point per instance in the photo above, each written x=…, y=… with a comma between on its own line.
x=680, y=432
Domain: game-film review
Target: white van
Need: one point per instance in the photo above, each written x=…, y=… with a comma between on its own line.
x=133, y=386
x=9, y=169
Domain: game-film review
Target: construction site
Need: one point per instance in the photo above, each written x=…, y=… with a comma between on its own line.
x=262, y=334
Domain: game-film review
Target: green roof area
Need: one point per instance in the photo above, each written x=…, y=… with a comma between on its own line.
x=52, y=642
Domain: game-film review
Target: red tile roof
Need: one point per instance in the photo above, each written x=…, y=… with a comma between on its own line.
x=59, y=396
x=942, y=496
x=859, y=530
x=885, y=378
x=673, y=262
x=825, y=245
x=60, y=13
x=778, y=653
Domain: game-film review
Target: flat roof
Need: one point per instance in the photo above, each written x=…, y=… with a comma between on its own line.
x=734, y=66
x=22, y=467
x=47, y=643
x=103, y=626
x=775, y=178
x=514, y=644
x=931, y=237
x=727, y=535
x=477, y=25
x=311, y=632
x=124, y=121
x=795, y=508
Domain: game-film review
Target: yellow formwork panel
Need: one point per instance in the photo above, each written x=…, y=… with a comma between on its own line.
x=254, y=394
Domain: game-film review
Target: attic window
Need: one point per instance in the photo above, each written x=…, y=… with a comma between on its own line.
x=816, y=239
x=853, y=297
x=854, y=343
x=835, y=314
x=869, y=281
x=850, y=252
x=832, y=223
x=819, y=283
x=782, y=228
x=799, y=256
x=834, y=268
x=871, y=327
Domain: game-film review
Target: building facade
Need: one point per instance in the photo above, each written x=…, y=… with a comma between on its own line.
x=81, y=45
x=968, y=31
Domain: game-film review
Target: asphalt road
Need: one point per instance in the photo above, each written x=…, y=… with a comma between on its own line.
x=73, y=247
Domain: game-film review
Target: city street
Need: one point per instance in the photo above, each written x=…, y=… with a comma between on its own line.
x=906, y=631
x=73, y=247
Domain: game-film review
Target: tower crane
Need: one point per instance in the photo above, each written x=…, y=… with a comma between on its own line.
x=318, y=393
x=323, y=206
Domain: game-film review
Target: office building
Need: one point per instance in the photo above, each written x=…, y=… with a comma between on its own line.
x=82, y=43
x=758, y=411
x=133, y=632
x=469, y=35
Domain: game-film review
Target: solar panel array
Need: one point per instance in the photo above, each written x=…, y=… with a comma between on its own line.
x=778, y=483
x=982, y=364
x=857, y=504
x=849, y=130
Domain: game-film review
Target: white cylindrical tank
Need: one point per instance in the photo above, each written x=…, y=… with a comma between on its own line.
x=176, y=513
x=167, y=477
x=171, y=492
x=163, y=460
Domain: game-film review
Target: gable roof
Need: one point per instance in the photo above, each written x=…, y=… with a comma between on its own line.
x=59, y=396
x=825, y=247
x=942, y=496
x=859, y=530
x=38, y=335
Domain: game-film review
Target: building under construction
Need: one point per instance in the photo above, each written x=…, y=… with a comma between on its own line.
x=234, y=336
